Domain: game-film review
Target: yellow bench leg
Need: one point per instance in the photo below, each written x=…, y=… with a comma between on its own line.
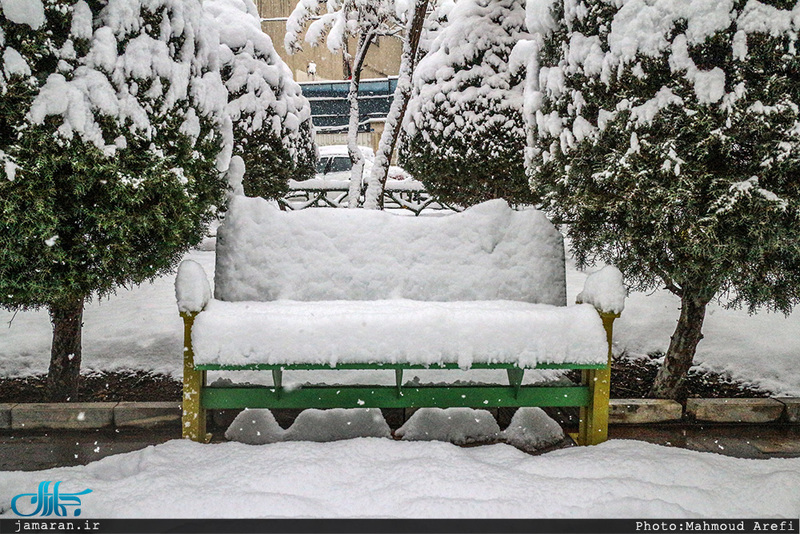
x=193, y=421
x=593, y=425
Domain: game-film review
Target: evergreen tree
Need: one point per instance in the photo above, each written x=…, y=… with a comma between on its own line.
x=667, y=134
x=112, y=139
x=465, y=131
x=272, y=128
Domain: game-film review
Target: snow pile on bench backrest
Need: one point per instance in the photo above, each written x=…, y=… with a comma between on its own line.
x=488, y=252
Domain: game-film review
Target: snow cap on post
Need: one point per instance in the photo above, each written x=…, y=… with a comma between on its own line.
x=604, y=290
x=192, y=289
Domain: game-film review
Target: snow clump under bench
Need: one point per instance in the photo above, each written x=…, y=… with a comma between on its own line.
x=363, y=289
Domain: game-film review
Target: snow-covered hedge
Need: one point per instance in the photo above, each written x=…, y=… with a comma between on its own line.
x=272, y=129
x=464, y=130
x=116, y=130
x=668, y=135
x=115, y=138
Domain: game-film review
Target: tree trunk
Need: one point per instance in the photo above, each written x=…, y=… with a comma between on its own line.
x=65, y=353
x=394, y=120
x=347, y=71
x=356, y=157
x=671, y=378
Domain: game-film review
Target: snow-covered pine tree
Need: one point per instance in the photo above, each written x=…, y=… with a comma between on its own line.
x=667, y=135
x=363, y=20
x=464, y=130
x=113, y=138
x=272, y=128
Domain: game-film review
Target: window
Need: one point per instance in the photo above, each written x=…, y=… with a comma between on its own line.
x=340, y=164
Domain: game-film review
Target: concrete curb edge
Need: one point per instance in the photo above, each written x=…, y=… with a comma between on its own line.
x=93, y=415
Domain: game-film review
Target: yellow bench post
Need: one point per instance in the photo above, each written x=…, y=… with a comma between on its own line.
x=593, y=425
x=193, y=420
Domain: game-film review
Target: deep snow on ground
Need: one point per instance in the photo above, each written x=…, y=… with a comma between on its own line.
x=139, y=328
x=375, y=477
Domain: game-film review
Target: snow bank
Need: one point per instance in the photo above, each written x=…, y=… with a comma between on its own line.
x=386, y=478
x=191, y=287
x=255, y=427
x=604, y=290
x=456, y=425
x=487, y=252
x=338, y=424
x=397, y=331
x=259, y=427
x=532, y=428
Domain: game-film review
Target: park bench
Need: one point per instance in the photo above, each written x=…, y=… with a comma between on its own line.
x=383, y=293
x=409, y=195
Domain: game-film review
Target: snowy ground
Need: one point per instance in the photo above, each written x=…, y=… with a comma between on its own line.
x=374, y=477
x=139, y=328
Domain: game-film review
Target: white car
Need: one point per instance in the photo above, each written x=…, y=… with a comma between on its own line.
x=331, y=184
x=334, y=164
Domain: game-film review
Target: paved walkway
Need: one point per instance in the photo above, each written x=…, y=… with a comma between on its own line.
x=741, y=441
x=35, y=450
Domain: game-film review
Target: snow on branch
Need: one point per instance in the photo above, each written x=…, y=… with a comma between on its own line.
x=104, y=84
x=304, y=11
x=748, y=189
x=341, y=19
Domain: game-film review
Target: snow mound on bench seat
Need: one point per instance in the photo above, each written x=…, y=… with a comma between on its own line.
x=488, y=252
x=397, y=331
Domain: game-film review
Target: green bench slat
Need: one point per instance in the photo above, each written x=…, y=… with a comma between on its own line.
x=388, y=366
x=387, y=397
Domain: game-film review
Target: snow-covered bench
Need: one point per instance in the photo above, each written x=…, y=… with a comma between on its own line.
x=363, y=289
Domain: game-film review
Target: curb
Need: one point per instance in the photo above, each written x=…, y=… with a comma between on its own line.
x=94, y=415
x=88, y=415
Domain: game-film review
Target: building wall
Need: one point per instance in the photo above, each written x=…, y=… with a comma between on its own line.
x=383, y=58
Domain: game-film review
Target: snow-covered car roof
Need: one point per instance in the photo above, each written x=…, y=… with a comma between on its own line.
x=341, y=150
